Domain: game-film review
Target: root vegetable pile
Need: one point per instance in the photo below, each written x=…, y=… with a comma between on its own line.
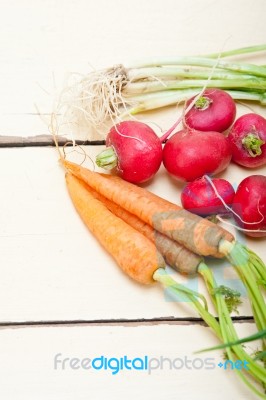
x=146, y=234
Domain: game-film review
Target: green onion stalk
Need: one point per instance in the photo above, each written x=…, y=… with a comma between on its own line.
x=165, y=98
x=106, y=96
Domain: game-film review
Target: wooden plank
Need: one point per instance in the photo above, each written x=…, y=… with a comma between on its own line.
x=53, y=39
x=28, y=356
x=52, y=268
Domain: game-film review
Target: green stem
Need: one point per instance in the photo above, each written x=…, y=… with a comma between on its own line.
x=256, y=336
x=242, y=261
x=224, y=329
x=257, y=370
x=204, y=62
x=226, y=333
x=226, y=324
x=176, y=289
x=252, y=292
x=152, y=101
x=155, y=86
x=252, y=143
x=173, y=72
x=234, y=52
x=203, y=103
x=107, y=158
x=260, y=269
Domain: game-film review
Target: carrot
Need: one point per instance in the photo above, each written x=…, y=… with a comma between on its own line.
x=137, y=256
x=175, y=255
x=134, y=253
x=197, y=234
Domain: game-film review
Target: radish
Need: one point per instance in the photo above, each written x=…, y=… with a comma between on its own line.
x=190, y=154
x=200, y=198
x=133, y=150
x=248, y=140
x=250, y=205
x=215, y=110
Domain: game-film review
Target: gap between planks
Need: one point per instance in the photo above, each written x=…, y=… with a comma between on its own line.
x=42, y=141
x=118, y=322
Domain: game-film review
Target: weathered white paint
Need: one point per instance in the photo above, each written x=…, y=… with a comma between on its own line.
x=28, y=356
x=41, y=42
x=51, y=268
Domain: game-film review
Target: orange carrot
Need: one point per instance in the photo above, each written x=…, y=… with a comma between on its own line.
x=135, y=254
x=175, y=255
x=199, y=235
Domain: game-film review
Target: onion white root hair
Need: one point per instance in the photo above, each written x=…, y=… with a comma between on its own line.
x=90, y=103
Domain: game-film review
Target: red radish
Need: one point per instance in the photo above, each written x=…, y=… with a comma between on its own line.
x=134, y=151
x=215, y=110
x=200, y=197
x=248, y=140
x=250, y=205
x=190, y=154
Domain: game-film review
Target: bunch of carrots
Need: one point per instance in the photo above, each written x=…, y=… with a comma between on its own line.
x=144, y=233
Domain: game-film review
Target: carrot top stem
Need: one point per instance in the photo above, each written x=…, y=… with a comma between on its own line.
x=228, y=331
x=176, y=289
x=242, y=254
x=250, y=338
x=251, y=270
x=224, y=329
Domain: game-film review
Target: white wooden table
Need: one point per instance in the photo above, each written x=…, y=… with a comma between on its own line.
x=60, y=293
